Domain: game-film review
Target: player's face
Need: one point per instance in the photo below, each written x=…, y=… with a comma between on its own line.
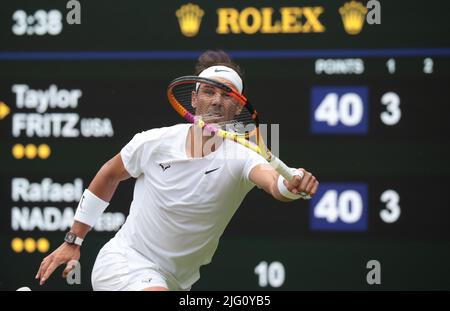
x=215, y=105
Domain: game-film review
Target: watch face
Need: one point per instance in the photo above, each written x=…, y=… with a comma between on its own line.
x=70, y=237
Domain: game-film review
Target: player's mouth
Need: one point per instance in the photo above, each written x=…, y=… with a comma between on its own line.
x=213, y=116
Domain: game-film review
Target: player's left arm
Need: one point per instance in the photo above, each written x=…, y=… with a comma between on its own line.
x=265, y=177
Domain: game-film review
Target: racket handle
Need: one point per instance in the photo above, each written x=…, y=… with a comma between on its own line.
x=287, y=172
x=282, y=168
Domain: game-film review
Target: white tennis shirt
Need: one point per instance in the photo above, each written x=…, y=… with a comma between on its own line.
x=181, y=205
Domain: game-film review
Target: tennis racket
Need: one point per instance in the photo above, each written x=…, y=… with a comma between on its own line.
x=235, y=118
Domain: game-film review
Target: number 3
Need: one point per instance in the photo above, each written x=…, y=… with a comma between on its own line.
x=393, y=113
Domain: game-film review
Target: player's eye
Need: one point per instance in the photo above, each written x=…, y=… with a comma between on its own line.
x=208, y=91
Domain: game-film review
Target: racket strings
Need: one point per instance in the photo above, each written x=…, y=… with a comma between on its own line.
x=241, y=123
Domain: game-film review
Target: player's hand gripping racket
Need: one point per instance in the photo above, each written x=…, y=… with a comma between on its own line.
x=233, y=117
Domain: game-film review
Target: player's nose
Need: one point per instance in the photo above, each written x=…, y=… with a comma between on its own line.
x=217, y=100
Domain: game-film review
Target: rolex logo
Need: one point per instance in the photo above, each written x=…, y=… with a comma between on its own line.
x=353, y=17
x=189, y=17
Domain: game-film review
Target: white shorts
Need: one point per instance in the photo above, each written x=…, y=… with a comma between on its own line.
x=120, y=268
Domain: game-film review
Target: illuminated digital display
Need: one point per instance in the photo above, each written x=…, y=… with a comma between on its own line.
x=363, y=106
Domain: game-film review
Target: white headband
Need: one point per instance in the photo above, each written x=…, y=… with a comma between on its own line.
x=223, y=72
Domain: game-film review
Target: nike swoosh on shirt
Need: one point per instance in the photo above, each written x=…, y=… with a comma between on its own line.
x=210, y=171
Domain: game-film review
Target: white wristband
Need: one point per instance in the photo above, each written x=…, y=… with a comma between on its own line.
x=285, y=192
x=90, y=208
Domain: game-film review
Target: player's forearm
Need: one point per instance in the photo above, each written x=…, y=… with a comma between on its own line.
x=98, y=195
x=102, y=187
x=104, y=184
x=108, y=178
x=270, y=185
x=276, y=193
x=80, y=229
x=266, y=178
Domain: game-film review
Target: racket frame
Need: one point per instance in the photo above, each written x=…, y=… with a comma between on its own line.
x=259, y=148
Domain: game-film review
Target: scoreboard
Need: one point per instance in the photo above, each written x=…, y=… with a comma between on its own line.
x=366, y=85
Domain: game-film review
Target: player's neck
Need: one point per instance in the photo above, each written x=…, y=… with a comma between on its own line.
x=199, y=143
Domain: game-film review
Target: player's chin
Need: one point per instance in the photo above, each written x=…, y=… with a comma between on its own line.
x=218, y=120
x=211, y=117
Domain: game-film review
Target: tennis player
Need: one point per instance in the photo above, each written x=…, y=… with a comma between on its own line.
x=187, y=190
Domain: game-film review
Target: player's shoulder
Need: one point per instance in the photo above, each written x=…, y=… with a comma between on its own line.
x=159, y=133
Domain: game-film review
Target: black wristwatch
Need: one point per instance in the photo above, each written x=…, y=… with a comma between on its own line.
x=71, y=238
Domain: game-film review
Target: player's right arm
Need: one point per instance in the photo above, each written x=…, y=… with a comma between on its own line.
x=108, y=178
x=103, y=186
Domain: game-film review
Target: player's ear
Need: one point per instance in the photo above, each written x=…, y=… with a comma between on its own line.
x=194, y=99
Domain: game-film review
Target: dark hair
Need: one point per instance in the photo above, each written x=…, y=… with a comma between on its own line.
x=214, y=58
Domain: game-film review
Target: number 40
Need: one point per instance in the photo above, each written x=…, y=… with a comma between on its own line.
x=348, y=109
